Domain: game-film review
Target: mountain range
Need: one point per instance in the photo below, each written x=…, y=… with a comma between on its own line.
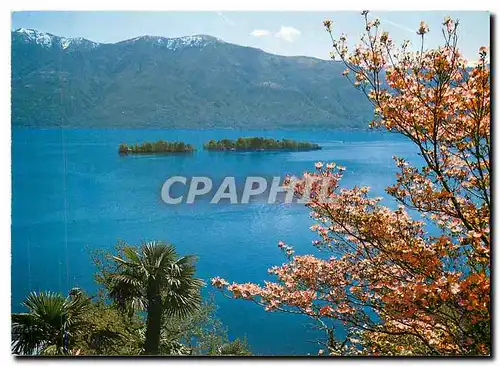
x=188, y=82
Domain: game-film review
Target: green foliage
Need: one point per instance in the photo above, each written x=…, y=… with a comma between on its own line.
x=203, y=334
x=110, y=332
x=259, y=143
x=105, y=330
x=81, y=325
x=237, y=347
x=159, y=147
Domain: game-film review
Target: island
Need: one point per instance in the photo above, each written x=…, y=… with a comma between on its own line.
x=259, y=144
x=159, y=147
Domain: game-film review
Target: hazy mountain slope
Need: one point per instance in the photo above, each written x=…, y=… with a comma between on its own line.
x=188, y=82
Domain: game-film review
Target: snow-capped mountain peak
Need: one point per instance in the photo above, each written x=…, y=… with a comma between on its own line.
x=49, y=40
x=180, y=42
x=36, y=36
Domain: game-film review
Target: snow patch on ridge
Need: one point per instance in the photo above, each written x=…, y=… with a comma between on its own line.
x=179, y=43
x=48, y=40
x=36, y=36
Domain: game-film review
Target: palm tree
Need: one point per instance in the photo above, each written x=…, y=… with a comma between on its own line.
x=51, y=324
x=153, y=278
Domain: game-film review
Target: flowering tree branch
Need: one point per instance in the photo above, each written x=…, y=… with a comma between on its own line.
x=397, y=289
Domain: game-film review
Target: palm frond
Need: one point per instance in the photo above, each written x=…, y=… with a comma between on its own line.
x=154, y=271
x=28, y=334
x=50, y=325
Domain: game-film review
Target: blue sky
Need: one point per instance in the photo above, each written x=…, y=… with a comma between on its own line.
x=285, y=33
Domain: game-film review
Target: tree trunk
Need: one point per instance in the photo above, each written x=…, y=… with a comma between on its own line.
x=153, y=326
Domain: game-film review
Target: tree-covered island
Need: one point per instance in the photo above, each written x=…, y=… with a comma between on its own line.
x=159, y=147
x=259, y=144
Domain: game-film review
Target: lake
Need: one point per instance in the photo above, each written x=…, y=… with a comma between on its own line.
x=72, y=192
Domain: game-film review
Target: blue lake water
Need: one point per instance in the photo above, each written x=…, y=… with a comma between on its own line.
x=72, y=192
